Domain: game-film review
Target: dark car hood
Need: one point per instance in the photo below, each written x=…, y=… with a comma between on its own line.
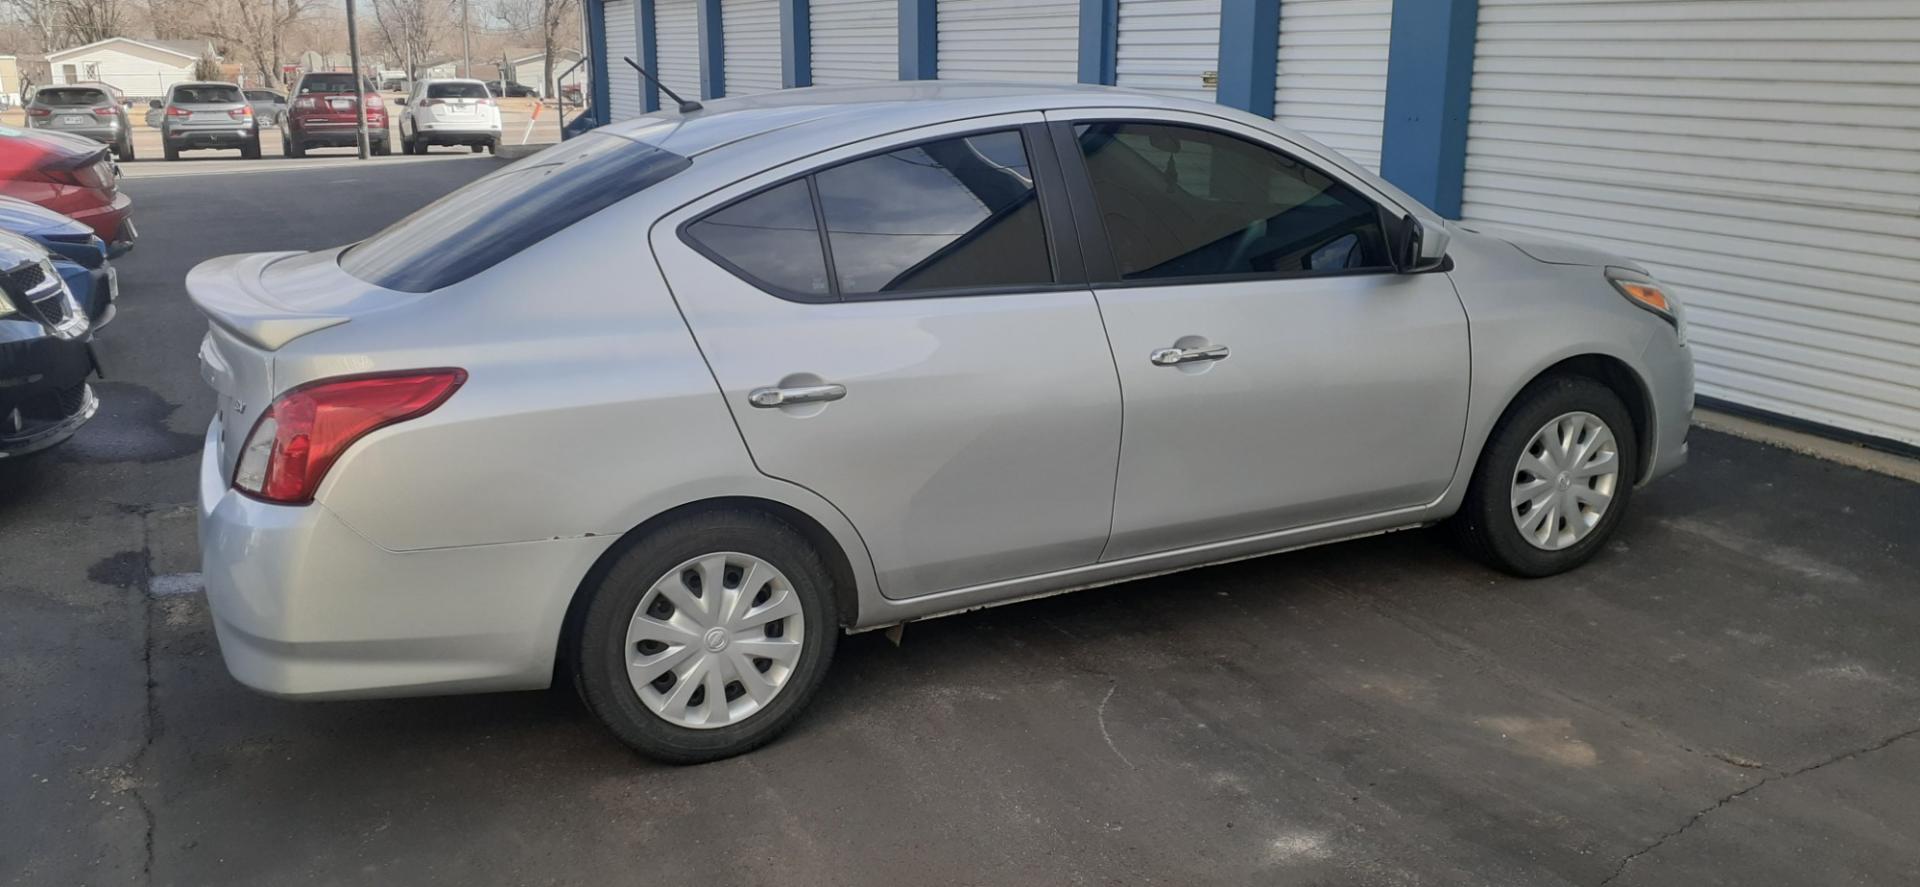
x=33, y=220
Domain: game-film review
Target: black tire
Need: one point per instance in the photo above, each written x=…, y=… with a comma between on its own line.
x=292, y=148
x=1485, y=524
x=597, y=649
x=493, y=146
x=383, y=147
x=124, y=148
x=476, y=148
x=251, y=150
x=171, y=152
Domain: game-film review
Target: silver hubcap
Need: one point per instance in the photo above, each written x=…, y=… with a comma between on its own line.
x=714, y=640
x=1565, y=481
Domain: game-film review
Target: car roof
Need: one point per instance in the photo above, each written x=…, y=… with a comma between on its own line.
x=432, y=80
x=204, y=83
x=909, y=103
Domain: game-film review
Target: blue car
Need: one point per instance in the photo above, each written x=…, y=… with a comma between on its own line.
x=79, y=256
x=46, y=352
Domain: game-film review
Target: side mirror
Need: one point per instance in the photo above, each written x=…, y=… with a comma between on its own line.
x=155, y=104
x=1410, y=248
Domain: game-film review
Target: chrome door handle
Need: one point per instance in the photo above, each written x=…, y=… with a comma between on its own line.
x=768, y=398
x=1169, y=357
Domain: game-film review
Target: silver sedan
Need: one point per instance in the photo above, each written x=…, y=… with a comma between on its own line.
x=670, y=407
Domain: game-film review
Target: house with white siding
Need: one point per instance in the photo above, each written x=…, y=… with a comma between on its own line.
x=1763, y=157
x=142, y=69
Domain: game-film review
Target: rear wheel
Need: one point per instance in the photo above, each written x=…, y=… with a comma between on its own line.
x=251, y=150
x=1553, y=481
x=384, y=146
x=292, y=148
x=124, y=148
x=493, y=146
x=707, y=637
x=476, y=148
x=171, y=152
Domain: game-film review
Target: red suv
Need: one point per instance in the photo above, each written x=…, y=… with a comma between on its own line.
x=323, y=115
x=69, y=175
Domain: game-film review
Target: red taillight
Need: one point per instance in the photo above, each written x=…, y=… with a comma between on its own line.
x=305, y=430
x=106, y=112
x=39, y=112
x=241, y=113
x=177, y=111
x=374, y=102
x=306, y=103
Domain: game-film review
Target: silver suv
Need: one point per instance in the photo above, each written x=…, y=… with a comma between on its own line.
x=207, y=115
x=94, y=110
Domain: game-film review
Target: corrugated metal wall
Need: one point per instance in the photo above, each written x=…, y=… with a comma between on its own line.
x=676, y=36
x=1331, y=80
x=1033, y=40
x=1763, y=156
x=750, y=40
x=1169, y=46
x=855, y=41
x=623, y=85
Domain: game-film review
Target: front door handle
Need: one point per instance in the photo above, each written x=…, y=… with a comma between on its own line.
x=1171, y=357
x=768, y=398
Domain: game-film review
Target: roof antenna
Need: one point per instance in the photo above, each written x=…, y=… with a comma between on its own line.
x=686, y=107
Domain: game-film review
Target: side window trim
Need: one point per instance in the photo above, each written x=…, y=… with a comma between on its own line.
x=1064, y=245
x=1103, y=271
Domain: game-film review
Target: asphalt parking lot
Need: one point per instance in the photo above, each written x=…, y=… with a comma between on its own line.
x=1729, y=695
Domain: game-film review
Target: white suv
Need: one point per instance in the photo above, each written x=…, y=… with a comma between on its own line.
x=449, y=112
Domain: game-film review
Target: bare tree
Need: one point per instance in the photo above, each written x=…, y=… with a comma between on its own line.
x=257, y=30
x=411, y=29
x=545, y=19
x=86, y=21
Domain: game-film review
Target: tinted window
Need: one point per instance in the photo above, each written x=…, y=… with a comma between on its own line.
x=261, y=95
x=958, y=212
x=206, y=95
x=69, y=98
x=1184, y=202
x=480, y=225
x=313, y=83
x=771, y=237
x=456, y=91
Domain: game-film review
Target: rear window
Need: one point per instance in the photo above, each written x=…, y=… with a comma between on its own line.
x=206, y=95
x=456, y=91
x=313, y=83
x=493, y=219
x=69, y=98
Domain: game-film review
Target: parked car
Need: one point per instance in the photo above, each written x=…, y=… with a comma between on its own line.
x=846, y=358
x=267, y=106
x=94, y=110
x=393, y=84
x=324, y=115
x=510, y=90
x=73, y=176
x=207, y=115
x=449, y=112
x=79, y=254
x=45, y=353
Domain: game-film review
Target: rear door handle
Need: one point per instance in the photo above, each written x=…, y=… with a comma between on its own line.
x=1169, y=357
x=770, y=397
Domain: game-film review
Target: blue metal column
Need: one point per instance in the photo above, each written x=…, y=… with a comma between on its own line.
x=713, y=59
x=1099, y=40
x=796, y=44
x=919, y=42
x=597, y=44
x=1429, y=88
x=643, y=20
x=1249, y=42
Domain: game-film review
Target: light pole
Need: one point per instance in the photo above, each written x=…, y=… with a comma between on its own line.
x=466, y=42
x=359, y=89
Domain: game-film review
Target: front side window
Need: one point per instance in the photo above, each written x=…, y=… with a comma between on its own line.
x=1184, y=202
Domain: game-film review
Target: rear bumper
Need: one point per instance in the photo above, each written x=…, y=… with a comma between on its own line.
x=304, y=606
x=109, y=221
x=457, y=134
x=105, y=133
x=335, y=135
x=211, y=138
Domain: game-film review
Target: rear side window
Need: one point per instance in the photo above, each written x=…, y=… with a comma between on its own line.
x=1184, y=202
x=937, y=217
x=493, y=219
x=456, y=91
x=206, y=95
x=69, y=98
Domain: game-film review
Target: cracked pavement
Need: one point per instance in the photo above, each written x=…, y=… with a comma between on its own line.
x=1730, y=695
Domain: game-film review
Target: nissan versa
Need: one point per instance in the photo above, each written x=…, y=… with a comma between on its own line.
x=664, y=410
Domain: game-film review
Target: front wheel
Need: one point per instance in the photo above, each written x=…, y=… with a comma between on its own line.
x=706, y=638
x=1553, y=480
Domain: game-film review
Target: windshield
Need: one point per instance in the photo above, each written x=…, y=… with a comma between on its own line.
x=313, y=83
x=489, y=221
x=456, y=91
x=205, y=95
x=69, y=97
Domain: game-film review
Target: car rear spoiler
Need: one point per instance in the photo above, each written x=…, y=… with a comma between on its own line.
x=228, y=291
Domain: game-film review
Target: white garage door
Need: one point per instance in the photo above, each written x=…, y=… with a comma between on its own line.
x=855, y=41
x=676, y=37
x=1169, y=46
x=1331, y=82
x=623, y=84
x=750, y=41
x=1032, y=40
x=1763, y=156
